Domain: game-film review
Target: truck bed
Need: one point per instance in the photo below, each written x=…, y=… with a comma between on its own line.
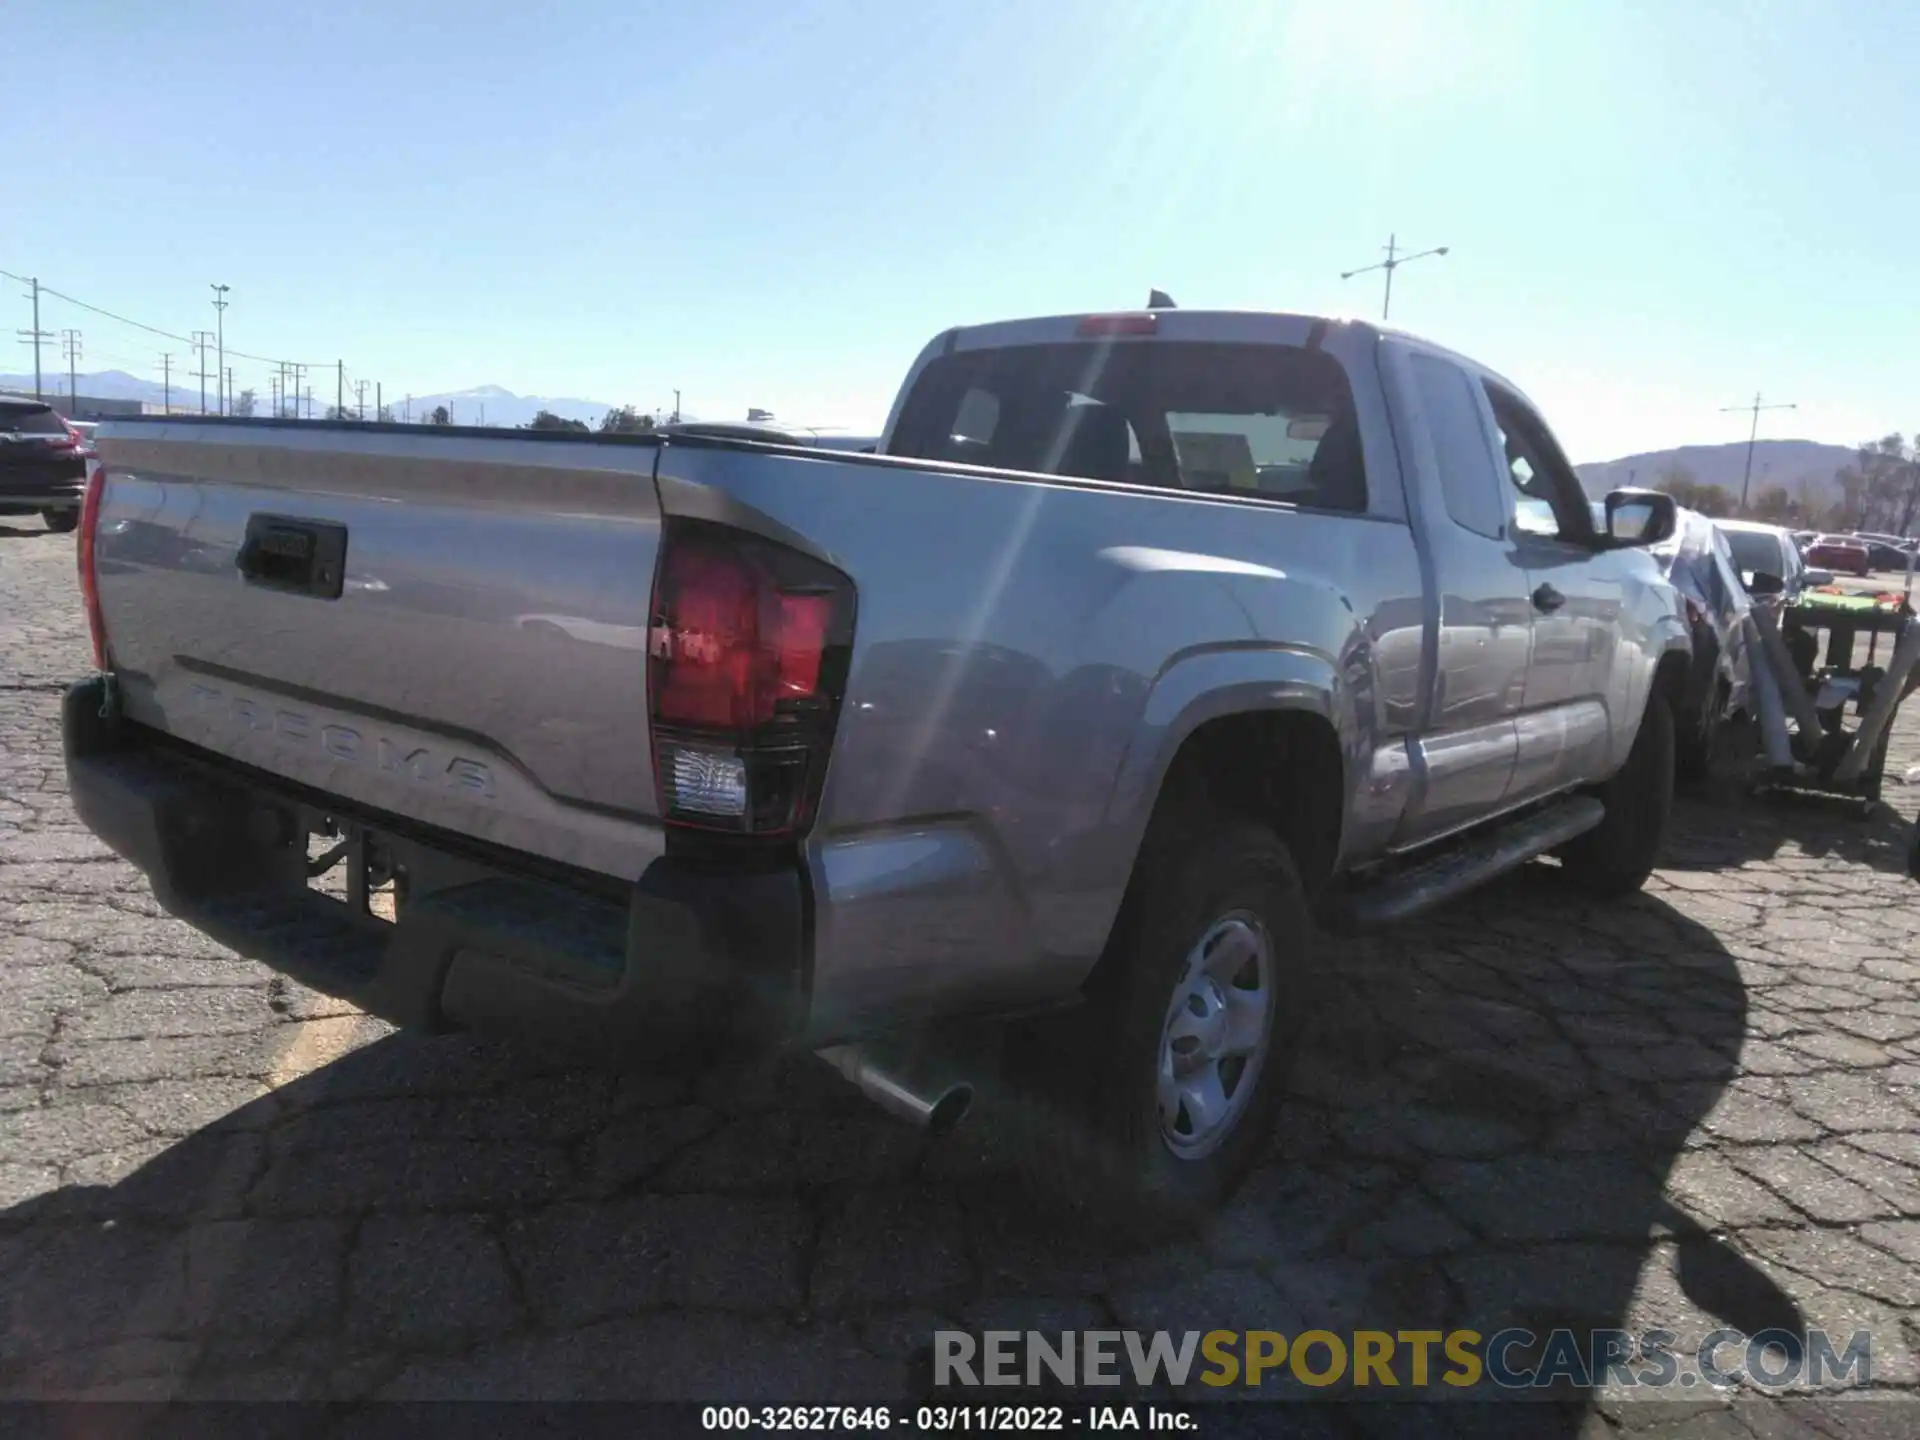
x=1027, y=652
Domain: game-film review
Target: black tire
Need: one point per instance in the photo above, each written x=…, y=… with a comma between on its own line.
x=61, y=521
x=1616, y=856
x=1098, y=1143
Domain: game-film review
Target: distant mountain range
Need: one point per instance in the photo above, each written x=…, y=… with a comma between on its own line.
x=1792, y=463
x=484, y=404
x=104, y=385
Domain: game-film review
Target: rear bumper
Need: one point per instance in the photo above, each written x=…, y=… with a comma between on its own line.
x=685, y=960
x=53, y=495
x=36, y=484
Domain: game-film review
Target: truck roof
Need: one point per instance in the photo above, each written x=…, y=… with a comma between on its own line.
x=1272, y=327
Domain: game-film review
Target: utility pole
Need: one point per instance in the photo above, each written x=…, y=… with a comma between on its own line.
x=1392, y=263
x=34, y=337
x=220, y=322
x=340, y=387
x=360, y=397
x=166, y=384
x=409, y=409
x=226, y=404
x=1753, y=434
x=676, y=406
x=200, y=339
x=299, y=375
x=379, y=405
x=70, y=344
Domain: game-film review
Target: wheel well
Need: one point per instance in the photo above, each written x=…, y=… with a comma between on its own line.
x=1281, y=768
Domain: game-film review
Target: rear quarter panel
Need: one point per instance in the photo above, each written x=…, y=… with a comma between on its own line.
x=1029, y=656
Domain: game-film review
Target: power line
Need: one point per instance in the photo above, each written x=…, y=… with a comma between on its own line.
x=35, y=336
x=220, y=325
x=1752, y=435
x=199, y=342
x=70, y=345
x=124, y=320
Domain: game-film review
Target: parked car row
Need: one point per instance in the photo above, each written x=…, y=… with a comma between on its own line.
x=1859, y=554
x=1721, y=569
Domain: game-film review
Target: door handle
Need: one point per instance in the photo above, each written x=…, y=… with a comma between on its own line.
x=1547, y=599
x=286, y=552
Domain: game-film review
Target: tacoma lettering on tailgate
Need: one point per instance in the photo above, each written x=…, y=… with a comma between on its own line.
x=417, y=763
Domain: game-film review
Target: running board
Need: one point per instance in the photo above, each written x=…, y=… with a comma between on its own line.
x=1422, y=886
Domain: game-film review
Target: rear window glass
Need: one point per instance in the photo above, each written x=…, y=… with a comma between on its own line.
x=1266, y=420
x=30, y=420
x=1755, y=550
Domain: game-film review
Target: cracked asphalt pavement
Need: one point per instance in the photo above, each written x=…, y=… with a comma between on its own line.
x=1699, y=1108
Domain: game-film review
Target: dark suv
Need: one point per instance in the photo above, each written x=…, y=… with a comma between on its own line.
x=43, y=463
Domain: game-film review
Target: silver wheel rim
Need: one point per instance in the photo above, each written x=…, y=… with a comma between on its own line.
x=1213, y=1042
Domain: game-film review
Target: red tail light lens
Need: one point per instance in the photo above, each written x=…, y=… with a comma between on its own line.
x=747, y=657
x=89, y=577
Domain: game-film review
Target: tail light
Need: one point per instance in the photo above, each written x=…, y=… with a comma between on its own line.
x=747, y=656
x=89, y=576
x=73, y=442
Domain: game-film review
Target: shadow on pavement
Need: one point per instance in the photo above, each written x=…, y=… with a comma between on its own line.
x=1478, y=1136
x=1739, y=830
x=14, y=532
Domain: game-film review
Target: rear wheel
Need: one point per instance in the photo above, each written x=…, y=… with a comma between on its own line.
x=1162, y=1099
x=61, y=521
x=1616, y=856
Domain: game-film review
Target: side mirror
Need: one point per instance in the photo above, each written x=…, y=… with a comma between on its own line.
x=1763, y=582
x=1640, y=517
x=1817, y=577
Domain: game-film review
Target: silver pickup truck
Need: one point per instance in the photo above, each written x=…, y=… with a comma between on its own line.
x=1147, y=646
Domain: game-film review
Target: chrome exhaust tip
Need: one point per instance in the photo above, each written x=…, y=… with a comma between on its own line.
x=935, y=1104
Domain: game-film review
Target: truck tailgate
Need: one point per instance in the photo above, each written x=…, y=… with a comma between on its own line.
x=482, y=666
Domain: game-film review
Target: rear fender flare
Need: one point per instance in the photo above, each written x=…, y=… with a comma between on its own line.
x=1211, y=685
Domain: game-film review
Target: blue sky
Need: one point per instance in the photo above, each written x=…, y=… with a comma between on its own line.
x=1654, y=209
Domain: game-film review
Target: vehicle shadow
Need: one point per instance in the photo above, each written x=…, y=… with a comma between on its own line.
x=1729, y=829
x=1478, y=1135
x=15, y=533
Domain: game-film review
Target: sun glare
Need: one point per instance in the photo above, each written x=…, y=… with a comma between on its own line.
x=1381, y=54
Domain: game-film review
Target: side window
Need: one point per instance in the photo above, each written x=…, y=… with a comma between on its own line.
x=1469, y=479
x=1548, y=500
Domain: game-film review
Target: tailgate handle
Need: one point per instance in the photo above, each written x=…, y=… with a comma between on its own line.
x=285, y=552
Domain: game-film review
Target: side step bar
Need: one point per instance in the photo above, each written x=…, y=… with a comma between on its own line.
x=1422, y=886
